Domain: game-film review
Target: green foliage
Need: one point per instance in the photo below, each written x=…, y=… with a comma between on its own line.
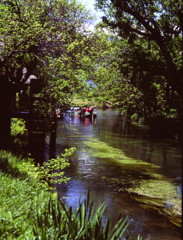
x=47, y=39
x=27, y=211
x=149, y=56
x=17, y=197
x=18, y=127
x=135, y=117
x=79, y=102
x=59, y=222
x=51, y=172
x=45, y=176
x=138, y=72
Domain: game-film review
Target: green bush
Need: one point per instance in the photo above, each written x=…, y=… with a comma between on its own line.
x=135, y=117
x=18, y=127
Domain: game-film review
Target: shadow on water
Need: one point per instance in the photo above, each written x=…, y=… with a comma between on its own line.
x=135, y=175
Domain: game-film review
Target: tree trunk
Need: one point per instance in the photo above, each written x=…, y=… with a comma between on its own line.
x=5, y=108
x=53, y=136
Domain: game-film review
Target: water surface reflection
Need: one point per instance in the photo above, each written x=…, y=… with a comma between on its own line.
x=98, y=175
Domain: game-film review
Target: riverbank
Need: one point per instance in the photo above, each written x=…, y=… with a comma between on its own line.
x=20, y=198
x=29, y=211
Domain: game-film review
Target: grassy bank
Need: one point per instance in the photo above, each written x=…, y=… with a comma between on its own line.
x=81, y=102
x=29, y=211
x=20, y=197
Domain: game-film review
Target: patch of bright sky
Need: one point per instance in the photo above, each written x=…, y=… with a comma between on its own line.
x=89, y=4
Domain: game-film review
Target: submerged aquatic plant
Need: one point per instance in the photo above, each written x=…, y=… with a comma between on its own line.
x=140, y=180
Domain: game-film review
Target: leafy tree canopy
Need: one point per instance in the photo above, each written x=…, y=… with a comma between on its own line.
x=147, y=36
x=42, y=38
x=157, y=21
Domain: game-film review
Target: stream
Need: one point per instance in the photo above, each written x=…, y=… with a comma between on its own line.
x=135, y=175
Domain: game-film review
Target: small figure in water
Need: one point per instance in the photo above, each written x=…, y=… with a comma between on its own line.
x=91, y=109
x=83, y=110
x=87, y=110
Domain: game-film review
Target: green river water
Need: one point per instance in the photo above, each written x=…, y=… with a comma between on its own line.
x=135, y=175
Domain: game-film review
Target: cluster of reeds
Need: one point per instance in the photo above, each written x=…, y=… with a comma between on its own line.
x=86, y=223
x=27, y=214
x=30, y=212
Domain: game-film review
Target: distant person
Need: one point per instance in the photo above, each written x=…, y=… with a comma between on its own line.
x=91, y=109
x=87, y=109
x=83, y=110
